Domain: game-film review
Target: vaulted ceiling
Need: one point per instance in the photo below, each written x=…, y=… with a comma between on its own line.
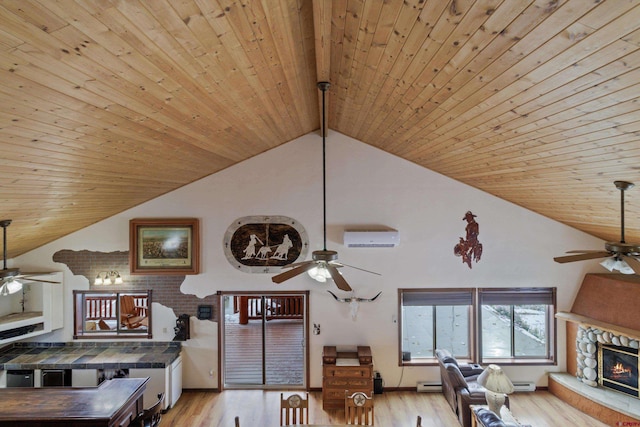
x=105, y=104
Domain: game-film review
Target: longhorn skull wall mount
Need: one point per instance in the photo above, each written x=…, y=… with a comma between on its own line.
x=354, y=302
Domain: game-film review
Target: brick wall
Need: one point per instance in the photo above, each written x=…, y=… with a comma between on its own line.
x=166, y=288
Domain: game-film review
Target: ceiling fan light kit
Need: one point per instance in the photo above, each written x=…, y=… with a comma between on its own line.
x=320, y=272
x=618, y=264
x=9, y=276
x=622, y=256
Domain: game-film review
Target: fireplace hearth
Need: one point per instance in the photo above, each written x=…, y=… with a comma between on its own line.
x=603, y=313
x=618, y=368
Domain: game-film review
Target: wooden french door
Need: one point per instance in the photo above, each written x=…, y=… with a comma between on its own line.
x=264, y=340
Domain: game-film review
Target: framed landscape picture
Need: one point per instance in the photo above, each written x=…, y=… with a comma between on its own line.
x=164, y=245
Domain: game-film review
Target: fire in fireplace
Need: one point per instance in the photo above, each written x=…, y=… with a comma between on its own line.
x=618, y=368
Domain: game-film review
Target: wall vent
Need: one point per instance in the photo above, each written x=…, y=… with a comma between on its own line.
x=524, y=386
x=428, y=387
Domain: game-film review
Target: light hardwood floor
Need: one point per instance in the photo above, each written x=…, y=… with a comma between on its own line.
x=392, y=409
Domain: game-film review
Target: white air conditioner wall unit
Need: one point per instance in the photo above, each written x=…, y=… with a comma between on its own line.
x=371, y=238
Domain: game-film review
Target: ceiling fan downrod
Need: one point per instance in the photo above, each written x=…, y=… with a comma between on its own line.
x=324, y=86
x=4, y=224
x=622, y=186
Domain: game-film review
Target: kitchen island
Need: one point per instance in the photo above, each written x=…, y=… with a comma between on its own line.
x=90, y=362
x=115, y=402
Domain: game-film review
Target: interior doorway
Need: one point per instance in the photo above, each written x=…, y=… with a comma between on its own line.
x=264, y=342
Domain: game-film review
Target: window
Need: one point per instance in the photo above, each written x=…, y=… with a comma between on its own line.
x=489, y=325
x=436, y=318
x=517, y=323
x=98, y=314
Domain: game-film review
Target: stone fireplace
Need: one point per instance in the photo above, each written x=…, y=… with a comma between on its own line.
x=603, y=330
x=599, y=356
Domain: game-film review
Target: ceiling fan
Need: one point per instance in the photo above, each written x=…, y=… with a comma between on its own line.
x=323, y=264
x=9, y=277
x=621, y=256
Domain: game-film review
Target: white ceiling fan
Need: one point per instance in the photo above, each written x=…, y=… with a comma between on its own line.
x=323, y=265
x=10, y=278
x=621, y=256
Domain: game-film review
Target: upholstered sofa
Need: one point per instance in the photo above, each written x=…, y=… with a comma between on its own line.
x=460, y=387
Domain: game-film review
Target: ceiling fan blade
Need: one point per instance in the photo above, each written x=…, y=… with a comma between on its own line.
x=340, y=282
x=30, y=278
x=297, y=264
x=582, y=257
x=633, y=262
x=358, y=268
x=25, y=280
x=303, y=267
x=592, y=251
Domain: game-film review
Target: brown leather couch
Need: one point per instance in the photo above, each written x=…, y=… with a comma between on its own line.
x=486, y=418
x=460, y=387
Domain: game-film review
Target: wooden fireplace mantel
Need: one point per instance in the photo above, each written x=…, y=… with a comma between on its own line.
x=598, y=324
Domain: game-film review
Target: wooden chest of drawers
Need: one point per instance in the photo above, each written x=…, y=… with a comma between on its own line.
x=347, y=372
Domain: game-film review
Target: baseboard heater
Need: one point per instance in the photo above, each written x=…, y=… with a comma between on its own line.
x=428, y=387
x=524, y=386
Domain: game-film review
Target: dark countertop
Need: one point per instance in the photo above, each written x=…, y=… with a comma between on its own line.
x=108, y=404
x=89, y=355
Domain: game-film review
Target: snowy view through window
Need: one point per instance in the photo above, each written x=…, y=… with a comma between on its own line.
x=452, y=331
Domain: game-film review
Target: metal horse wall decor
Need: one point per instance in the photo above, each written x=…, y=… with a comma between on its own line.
x=469, y=248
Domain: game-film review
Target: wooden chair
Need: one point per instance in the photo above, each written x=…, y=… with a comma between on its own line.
x=131, y=315
x=150, y=417
x=358, y=409
x=419, y=422
x=294, y=410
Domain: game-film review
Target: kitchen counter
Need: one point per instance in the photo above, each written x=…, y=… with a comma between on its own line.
x=89, y=355
x=113, y=403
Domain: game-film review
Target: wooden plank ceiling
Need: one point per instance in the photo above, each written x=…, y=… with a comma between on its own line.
x=105, y=104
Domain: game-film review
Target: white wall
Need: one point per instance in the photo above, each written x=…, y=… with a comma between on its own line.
x=365, y=187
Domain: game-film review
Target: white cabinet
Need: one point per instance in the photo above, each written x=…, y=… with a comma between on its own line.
x=161, y=380
x=176, y=380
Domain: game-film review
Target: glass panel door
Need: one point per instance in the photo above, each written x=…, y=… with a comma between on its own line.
x=264, y=337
